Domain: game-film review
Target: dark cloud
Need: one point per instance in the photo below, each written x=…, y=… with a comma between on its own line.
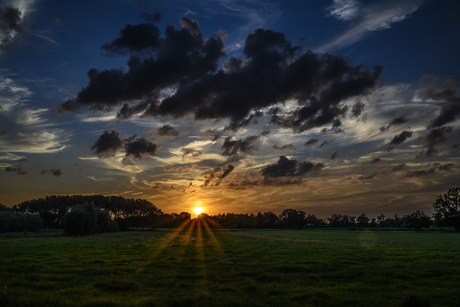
x=43, y=172
x=140, y=148
x=179, y=169
x=155, y=17
x=108, y=144
x=369, y=177
x=181, y=56
x=3, y=132
x=376, y=160
x=57, y=172
x=445, y=167
x=273, y=71
x=10, y=25
x=134, y=38
x=245, y=181
x=287, y=146
x=449, y=94
x=324, y=144
x=215, y=178
x=336, y=154
x=167, y=131
x=226, y=170
x=285, y=167
x=232, y=147
x=192, y=154
x=421, y=173
x=398, y=167
x=434, y=137
x=357, y=109
x=19, y=170
x=311, y=142
x=128, y=111
x=22, y=160
x=395, y=121
x=23, y=172
x=234, y=126
x=399, y=139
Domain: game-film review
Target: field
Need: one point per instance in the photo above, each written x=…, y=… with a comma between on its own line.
x=233, y=268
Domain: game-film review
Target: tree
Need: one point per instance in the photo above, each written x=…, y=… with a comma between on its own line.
x=293, y=218
x=418, y=219
x=363, y=220
x=447, y=208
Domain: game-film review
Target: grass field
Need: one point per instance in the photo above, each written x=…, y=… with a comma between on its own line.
x=233, y=268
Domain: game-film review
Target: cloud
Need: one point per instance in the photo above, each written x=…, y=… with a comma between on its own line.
x=287, y=146
x=395, y=121
x=434, y=137
x=19, y=170
x=324, y=144
x=108, y=144
x=447, y=93
x=167, y=131
x=376, y=160
x=399, y=139
x=336, y=154
x=398, y=167
x=179, y=169
x=311, y=142
x=344, y=9
x=416, y=174
x=374, y=17
x=140, y=148
x=446, y=167
x=232, y=147
x=189, y=152
x=10, y=27
x=285, y=167
x=134, y=38
x=216, y=177
x=57, y=172
x=369, y=177
x=357, y=109
x=182, y=55
x=274, y=71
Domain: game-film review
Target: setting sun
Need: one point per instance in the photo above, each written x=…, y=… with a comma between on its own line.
x=198, y=210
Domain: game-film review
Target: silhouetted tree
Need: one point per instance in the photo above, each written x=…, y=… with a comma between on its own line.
x=417, y=220
x=381, y=220
x=447, y=208
x=293, y=218
x=362, y=220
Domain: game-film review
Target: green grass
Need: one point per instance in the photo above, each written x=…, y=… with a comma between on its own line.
x=233, y=268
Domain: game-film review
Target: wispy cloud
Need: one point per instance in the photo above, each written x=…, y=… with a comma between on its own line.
x=256, y=14
x=377, y=16
x=344, y=9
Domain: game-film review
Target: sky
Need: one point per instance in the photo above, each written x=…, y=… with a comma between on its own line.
x=340, y=106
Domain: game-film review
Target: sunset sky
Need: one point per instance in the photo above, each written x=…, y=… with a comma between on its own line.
x=328, y=107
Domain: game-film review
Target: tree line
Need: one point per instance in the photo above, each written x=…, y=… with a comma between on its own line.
x=82, y=214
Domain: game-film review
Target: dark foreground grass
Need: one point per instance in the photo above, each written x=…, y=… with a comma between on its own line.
x=233, y=268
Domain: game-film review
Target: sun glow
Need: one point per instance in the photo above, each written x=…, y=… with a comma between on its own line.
x=198, y=210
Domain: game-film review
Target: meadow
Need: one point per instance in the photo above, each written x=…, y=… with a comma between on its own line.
x=233, y=268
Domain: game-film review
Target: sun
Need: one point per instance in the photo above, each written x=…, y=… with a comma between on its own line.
x=198, y=210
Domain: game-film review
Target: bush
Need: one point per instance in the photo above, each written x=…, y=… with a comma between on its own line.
x=78, y=221
x=85, y=219
x=19, y=221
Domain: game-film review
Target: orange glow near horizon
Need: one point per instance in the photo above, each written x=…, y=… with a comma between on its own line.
x=198, y=210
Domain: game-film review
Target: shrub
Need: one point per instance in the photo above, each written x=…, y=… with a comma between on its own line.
x=79, y=220
x=19, y=221
x=85, y=219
